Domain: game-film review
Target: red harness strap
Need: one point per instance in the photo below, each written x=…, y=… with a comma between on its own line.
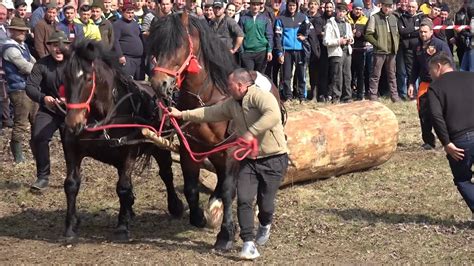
x=84, y=105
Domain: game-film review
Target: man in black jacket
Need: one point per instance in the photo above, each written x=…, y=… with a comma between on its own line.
x=463, y=37
x=42, y=87
x=452, y=113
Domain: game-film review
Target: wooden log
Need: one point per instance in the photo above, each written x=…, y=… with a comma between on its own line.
x=339, y=139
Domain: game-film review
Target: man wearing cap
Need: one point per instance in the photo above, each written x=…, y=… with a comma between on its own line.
x=17, y=64
x=226, y=28
x=428, y=47
x=105, y=26
x=45, y=28
x=71, y=28
x=128, y=43
x=42, y=87
x=258, y=41
x=382, y=33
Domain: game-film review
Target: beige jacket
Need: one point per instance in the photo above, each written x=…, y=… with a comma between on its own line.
x=259, y=114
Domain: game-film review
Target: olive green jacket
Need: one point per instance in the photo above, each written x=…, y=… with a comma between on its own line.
x=382, y=33
x=259, y=114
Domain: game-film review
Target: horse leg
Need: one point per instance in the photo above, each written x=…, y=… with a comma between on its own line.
x=124, y=191
x=191, y=177
x=175, y=205
x=71, y=189
x=226, y=236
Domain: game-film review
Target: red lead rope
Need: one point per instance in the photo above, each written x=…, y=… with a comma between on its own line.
x=245, y=148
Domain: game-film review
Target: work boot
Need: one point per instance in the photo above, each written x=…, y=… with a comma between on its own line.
x=263, y=233
x=17, y=152
x=249, y=251
x=40, y=184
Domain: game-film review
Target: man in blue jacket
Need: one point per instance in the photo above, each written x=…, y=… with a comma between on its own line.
x=290, y=50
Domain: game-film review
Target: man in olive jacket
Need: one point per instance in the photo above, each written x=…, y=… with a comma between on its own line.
x=382, y=33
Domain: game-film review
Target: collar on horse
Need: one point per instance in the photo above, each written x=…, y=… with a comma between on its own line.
x=191, y=65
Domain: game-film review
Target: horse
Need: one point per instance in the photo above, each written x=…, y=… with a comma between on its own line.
x=98, y=93
x=195, y=64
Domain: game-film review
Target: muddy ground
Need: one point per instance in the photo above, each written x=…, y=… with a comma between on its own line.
x=405, y=211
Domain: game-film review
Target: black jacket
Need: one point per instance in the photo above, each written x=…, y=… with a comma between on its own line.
x=45, y=79
x=408, y=27
x=463, y=39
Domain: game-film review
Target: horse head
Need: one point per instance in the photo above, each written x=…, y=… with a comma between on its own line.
x=176, y=58
x=80, y=82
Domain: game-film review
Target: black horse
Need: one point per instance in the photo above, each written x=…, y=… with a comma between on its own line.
x=98, y=93
x=191, y=60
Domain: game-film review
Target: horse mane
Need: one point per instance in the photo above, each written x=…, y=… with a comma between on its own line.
x=168, y=34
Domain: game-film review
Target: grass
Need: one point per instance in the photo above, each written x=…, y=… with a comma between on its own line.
x=404, y=211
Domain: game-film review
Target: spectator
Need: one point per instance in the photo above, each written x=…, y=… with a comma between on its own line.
x=426, y=6
x=39, y=13
x=428, y=47
x=138, y=11
x=166, y=7
x=257, y=45
x=452, y=111
x=230, y=11
x=446, y=35
x=17, y=63
x=91, y=30
x=128, y=43
x=358, y=21
x=338, y=39
x=105, y=26
x=238, y=9
x=42, y=87
x=382, y=33
x=148, y=19
x=322, y=63
x=72, y=29
x=45, y=28
x=273, y=66
x=226, y=28
x=408, y=26
x=5, y=119
x=208, y=13
x=108, y=12
x=369, y=8
x=463, y=37
x=314, y=33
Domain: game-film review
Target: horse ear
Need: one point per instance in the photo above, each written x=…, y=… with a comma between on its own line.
x=185, y=19
x=92, y=51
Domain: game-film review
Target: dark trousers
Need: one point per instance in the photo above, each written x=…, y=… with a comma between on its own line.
x=461, y=170
x=313, y=77
x=135, y=67
x=404, y=67
x=273, y=68
x=340, y=77
x=260, y=178
x=426, y=121
x=24, y=113
x=255, y=61
x=46, y=124
x=358, y=77
x=369, y=55
x=296, y=59
x=5, y=116
x=323, y=74
x=380, y=61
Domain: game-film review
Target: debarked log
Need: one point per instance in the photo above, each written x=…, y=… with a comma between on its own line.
x=339, y=139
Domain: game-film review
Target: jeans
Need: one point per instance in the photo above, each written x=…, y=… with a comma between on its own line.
x=260, y=178
x=255, y=61
x=468, y=61
x=462, y=169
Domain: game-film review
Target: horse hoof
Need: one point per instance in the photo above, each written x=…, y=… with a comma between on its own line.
x=223, y=245
x=122, y=235
x=197, y=219
x=214, y=213
x=176, y=208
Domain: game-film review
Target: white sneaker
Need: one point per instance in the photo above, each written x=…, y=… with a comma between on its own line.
x=249, y=251
x=263, y=233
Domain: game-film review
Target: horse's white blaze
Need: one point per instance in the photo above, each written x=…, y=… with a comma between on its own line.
x=79, y=74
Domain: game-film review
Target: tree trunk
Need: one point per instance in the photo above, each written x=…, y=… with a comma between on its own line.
x=339, y=139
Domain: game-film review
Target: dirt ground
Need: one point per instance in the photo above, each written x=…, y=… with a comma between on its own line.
x=404, y=211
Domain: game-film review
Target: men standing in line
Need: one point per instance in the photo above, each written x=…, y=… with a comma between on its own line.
x=429, y=46
x=42, y=87
x=258, y=41
x=382, y=33
x=128, y=43
x=450, y=98
x=17, y=63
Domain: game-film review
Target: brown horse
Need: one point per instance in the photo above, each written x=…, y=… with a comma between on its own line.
x=98, y=93
x=194, y=64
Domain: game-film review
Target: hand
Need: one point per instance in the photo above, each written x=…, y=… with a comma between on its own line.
x=358, y=34
x=122, y=60
x=51, y=101
x=301, y=38
x=232, y=51
x=175, y=112
x=248, y=136
x=281, y=59
x=452, y=40
x=410, y=91
x=342, y=41
x=453, y=151
x=269, y=57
